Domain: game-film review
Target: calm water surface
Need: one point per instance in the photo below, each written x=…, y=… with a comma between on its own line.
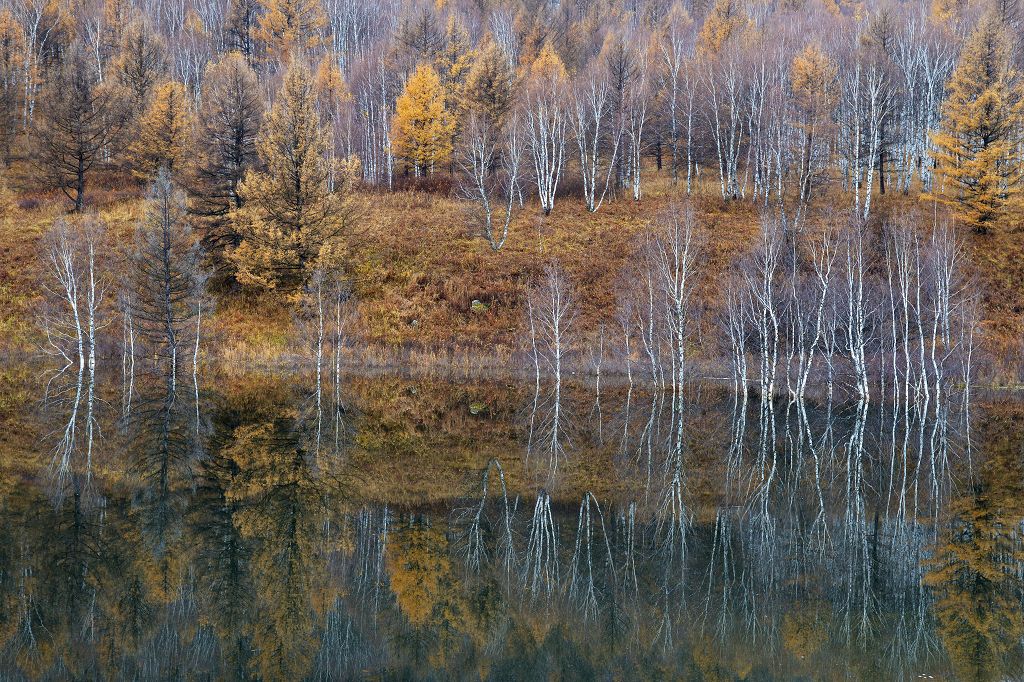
x=387, y=528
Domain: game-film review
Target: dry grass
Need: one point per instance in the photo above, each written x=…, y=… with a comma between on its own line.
x=417, y=269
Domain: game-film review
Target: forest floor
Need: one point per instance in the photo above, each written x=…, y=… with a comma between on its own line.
x=428, y=291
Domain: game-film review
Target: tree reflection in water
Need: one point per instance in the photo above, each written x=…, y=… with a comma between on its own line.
x=768, y=540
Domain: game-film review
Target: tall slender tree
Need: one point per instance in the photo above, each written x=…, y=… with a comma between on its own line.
x=12, y=60
x=423, y=127
x=229, y=121
x=164, y=138
x=167, y=276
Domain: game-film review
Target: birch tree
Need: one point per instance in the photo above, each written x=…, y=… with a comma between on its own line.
x=493, y=191
x=546, y=121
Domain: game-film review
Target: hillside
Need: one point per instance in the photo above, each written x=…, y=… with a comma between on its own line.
x=417, y=269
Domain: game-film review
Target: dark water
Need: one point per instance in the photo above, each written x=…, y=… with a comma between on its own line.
x=399, y=529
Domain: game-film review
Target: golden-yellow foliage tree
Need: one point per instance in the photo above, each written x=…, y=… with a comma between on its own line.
x=290, y=27
x=422, y=128
x=978, y=165
x=488, y=89
x=812, y=82
x=548, y=69
x=290, y=220
x=331, y=89
x=455, y=59
x=165, y=132
x=726, y=20
x=226, y=139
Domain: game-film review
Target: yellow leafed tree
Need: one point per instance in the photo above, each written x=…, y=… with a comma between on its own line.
x=548, y=69
x=455, y=59
x=422, y=129
x=165, y=132
x=290, y=220
x=291, y=27
x=726, y=20
x=978, y=166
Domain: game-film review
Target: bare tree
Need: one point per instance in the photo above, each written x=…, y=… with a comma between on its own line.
x=546, y=123
x=167, y=277
x=591, y=115
x=484, y=185
x=78, y=117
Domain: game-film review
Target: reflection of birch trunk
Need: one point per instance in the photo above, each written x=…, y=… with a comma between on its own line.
x=582, y=589
x=476, y=553
x=540, y=565
x=127, y=357
x=552, y=310
x=73, y=298
x=195, y=361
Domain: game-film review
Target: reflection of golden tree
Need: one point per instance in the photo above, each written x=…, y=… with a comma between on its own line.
x=420, y=573
x=280, y=509
x=974, y=572
x=223, y=582
x=420, y=568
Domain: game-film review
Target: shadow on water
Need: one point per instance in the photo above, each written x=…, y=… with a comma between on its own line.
x=278, y=528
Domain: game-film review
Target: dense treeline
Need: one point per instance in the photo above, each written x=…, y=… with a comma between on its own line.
x=270, y=115
x=770, y=101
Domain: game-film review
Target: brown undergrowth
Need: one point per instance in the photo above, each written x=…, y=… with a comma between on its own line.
x=429, y=292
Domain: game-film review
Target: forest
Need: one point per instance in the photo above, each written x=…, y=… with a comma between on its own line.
x=735, y=185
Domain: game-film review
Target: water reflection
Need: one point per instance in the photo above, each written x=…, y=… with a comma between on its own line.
x=386, y=527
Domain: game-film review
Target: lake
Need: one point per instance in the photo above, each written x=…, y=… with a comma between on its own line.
x=387, y=527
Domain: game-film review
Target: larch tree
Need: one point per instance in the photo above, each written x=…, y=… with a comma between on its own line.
x=813, y=89
x=140, y=64
x=726, y=20
x=979, y=170
x=334, y=102
x=76, y=119
x=166, y=276
x=488, y=90
x=423, y=127
x=290, y=220
x=229, y=121
x=455, y=60
x=164, y=138
x=620, y=61
x=291, y=27
x=240, y=28
x=419, y=39
x=116, y=16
